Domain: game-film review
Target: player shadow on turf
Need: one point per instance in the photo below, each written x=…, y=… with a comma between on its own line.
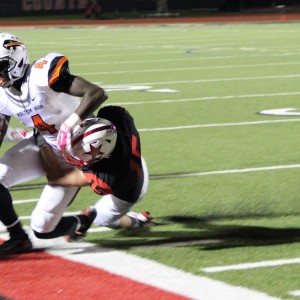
x=200, y=232
x=231, y=236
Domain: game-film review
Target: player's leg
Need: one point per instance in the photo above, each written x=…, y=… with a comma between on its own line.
x=132, y=219
x=46, y=219
x=19, y=164
x=115, y=212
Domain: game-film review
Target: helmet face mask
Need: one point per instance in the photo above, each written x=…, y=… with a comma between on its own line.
x=13, y=59
x=91, y=141
x=6, y=65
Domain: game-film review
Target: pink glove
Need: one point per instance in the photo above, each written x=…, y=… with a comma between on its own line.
x=64, y=137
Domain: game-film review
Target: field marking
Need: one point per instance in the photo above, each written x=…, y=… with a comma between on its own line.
x=281, y=112
x=25, y=201
x=208, y=98
x=256, y=265
x=218, y=125
x=234, y=171
x=145, y=271
x=218, y=79
x=208, y=173
x=195, y=68
x=149, y=272
x=189, y=59
x=294, y=293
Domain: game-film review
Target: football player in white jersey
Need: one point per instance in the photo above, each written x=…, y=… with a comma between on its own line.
x=44, y=95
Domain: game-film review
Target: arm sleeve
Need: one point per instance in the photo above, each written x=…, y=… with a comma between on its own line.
x=59, y=76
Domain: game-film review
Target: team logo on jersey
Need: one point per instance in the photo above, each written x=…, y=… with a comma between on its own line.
x=11, y=44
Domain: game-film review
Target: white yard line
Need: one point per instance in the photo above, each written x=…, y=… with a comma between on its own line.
x=233, y=171
x=196, y=68
x=208, y=98
x=190, y=58
x=209, y=173
x=218, y=125
x=255, y=265
x=218, y=79
x=25, y=201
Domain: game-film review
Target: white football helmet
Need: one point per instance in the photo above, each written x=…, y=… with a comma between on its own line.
x=14, y=59
x=92, y=140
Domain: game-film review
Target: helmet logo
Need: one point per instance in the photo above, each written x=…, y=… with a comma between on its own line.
x=94, y=151
x=11, y=44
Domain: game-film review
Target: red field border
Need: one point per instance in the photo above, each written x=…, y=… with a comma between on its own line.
x=231, y=18
x=40, y=276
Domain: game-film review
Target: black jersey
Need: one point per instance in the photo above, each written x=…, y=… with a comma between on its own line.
x=120, y=174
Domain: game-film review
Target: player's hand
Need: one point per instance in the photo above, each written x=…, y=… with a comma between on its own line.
x=64, y=137
x=38, y=138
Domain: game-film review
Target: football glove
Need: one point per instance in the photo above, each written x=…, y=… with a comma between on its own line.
x=64, y=137
x=65, y=132
x=38, y=138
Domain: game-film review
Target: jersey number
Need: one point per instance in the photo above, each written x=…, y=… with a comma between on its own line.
x=40, y=64
x=41, y=125
x=136, y=154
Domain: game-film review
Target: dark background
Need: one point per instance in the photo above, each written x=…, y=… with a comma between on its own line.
x=17, y=8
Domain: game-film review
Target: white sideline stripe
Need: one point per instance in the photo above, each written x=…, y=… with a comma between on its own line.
x=145, y=271
x=155, y=274
x=209, y=98
x=160, y=276
x=219, y=125
x=247, y=266
x=294, y=293
x=270, y=168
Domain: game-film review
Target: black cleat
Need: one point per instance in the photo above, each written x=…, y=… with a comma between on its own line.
x=77, y=234
x=16, y=245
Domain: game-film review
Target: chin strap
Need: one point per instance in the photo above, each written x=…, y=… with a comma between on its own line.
x=71, y=160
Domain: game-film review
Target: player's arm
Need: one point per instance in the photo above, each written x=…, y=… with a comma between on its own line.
x=61, y=80
x=55, y=173
x=58, y=175
x=92, y=96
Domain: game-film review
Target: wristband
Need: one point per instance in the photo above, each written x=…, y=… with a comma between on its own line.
x=73, y=120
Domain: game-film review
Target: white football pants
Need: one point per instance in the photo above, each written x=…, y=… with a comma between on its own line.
x=22, y=163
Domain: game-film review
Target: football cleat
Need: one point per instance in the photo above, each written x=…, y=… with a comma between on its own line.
x=140, y=219
x=16, y=245
x=77, y=234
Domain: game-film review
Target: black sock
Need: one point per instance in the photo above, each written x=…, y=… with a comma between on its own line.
x=63, y=228
x=8, y=215
x=84, y=221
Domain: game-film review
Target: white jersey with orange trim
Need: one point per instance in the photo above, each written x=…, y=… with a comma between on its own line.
x=39, y=105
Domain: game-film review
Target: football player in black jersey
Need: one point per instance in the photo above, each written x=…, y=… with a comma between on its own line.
x=107, y=152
